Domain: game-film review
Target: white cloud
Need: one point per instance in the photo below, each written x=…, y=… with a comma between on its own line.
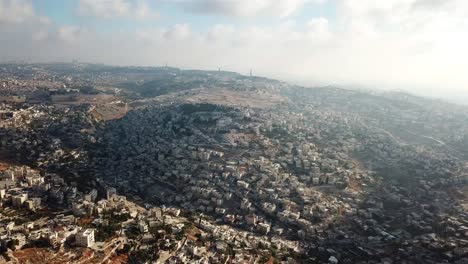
x=177, y=32
x=247, y=8
x=107, y=9
x=220, y=32
x=15, y=11
x=71, y=34
x=19, y=19
x=319, y=28
x=410, y=43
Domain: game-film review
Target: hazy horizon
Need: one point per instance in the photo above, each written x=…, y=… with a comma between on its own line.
x=411, y=45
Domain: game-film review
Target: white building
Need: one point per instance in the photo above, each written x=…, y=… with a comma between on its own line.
x=143, y=227
x=18, y=200
x=85, y=238
x=110, y=192
x=91, y=196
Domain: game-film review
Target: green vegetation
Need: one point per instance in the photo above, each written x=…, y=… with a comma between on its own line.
x=161, y=86
x=103, y=233
x=193, y=108
x=88, y=89
x=149, y=254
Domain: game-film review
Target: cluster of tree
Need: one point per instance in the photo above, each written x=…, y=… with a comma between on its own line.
x=162, y=85
x=194, y=108
x=88, y=89
x=106, y=232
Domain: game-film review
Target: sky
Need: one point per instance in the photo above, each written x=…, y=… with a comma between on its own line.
x=418, y=46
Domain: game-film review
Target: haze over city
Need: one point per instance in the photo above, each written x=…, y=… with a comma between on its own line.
x=412, y=45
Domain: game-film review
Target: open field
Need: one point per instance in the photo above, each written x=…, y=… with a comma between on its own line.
x=237, y=98
x=110, y=111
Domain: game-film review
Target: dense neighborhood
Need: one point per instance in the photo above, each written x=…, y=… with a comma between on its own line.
x=103, y=164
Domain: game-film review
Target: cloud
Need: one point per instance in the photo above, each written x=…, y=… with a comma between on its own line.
x=71, y=34
x=19, y=19
x=177, y=32
x=431, y=4
x=247, y=8
x=219, y=32
x=396, y=43
x=319, y=28
x=15, y=11
x=404, y=16
x=112, y=9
